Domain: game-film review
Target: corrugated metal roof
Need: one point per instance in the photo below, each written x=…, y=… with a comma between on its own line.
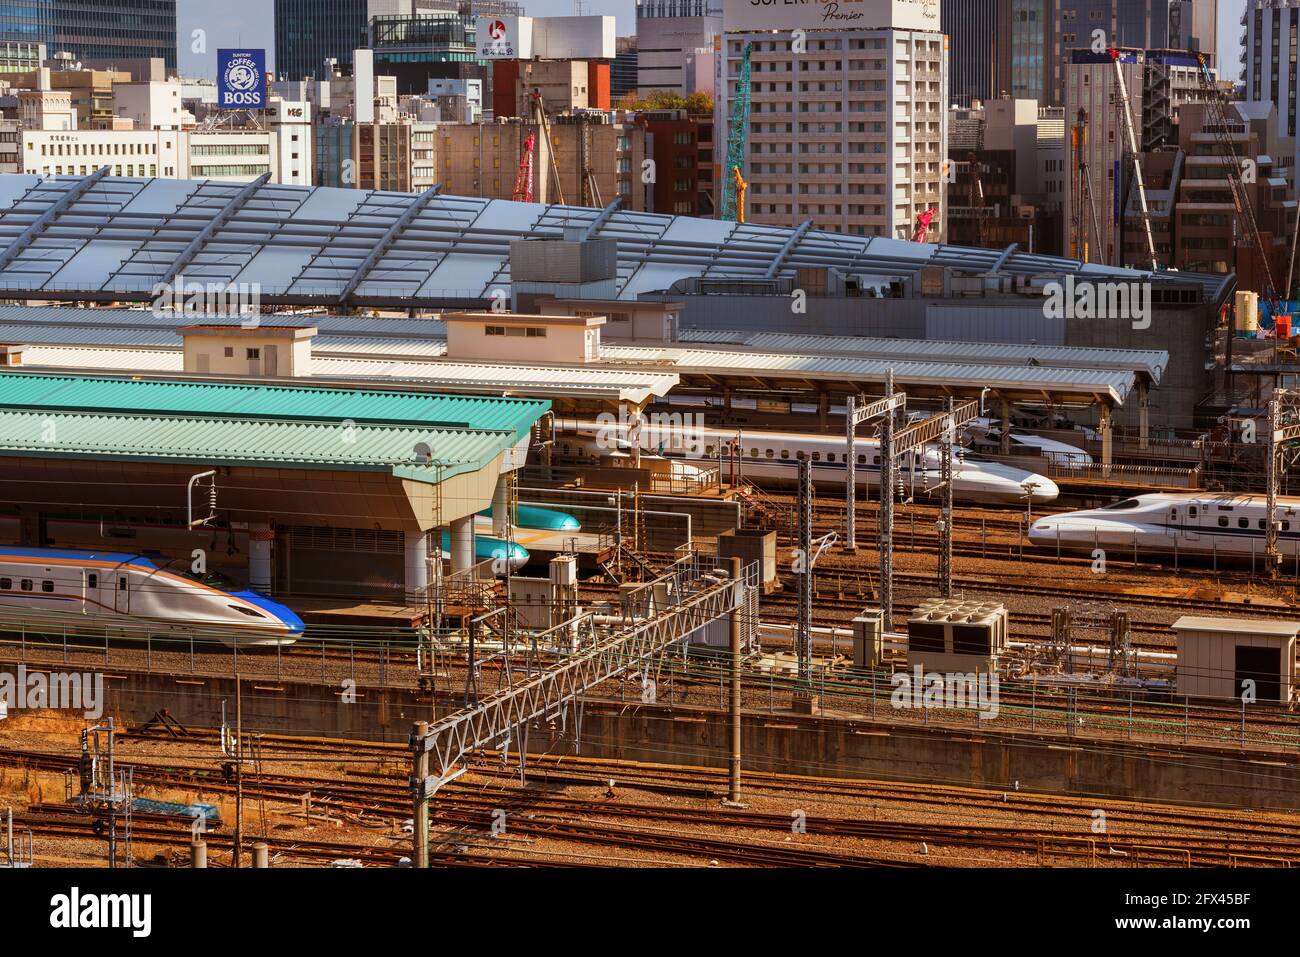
x=969, y=376
x=515, y=417
x=1150, y=361
x=260, y=442
x=525, y=381
x=116, y=238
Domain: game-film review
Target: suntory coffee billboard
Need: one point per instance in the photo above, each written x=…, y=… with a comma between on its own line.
x=830, y=14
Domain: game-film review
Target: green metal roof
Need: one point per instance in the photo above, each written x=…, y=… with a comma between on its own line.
x=251, y=401
x=203, y=440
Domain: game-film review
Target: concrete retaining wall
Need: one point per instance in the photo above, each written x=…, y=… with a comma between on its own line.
x=782, y=743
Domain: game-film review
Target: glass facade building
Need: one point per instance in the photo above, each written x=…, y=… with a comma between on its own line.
x=308, y=32
x=27, y=20
x=115, y=30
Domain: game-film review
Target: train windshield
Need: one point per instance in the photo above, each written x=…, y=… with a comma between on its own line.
x=210, y=578
x=1121, y=505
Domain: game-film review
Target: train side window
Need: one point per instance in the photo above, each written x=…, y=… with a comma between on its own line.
x=785, y=454
x=6, y=584
x=830, y=456
x=1286, y=526
x=1243, y=523
x=92, y=580
x=875, y=460
x=1262, y=523
x=817, y=456
x=27, y=584
x=47, y=586
x=1223, y=521
x=862, y=460
x=770, y=453
x=121, y=583
x=1191, y=511
x=709, y=451
x=753, y=453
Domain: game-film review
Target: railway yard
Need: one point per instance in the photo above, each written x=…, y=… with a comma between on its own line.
x=397, y=577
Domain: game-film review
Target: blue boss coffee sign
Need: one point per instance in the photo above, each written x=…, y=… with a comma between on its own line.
x=241, y=79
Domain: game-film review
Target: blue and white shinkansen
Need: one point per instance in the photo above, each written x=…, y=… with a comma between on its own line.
x=1194, y=523
x=129, y=596
x=773, y=458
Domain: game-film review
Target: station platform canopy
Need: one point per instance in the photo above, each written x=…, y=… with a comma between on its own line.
x=399, y=459
x=703, y=367
x=103, y=238
x=1149, y=362
x=396, y=352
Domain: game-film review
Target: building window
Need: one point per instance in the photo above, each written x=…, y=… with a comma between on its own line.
x=253, y=354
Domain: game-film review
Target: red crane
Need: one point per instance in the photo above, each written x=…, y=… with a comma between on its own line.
x=524, y=178
x=923, y=221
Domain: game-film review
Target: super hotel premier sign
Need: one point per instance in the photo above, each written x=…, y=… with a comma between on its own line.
x=830, y=14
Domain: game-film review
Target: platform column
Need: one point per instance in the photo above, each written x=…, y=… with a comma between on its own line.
x=1106, y=436
x=501, y=506
x=1144, y=416
x=260, y=539
x=462, y=543
x=417, y=565
x=1004, y=442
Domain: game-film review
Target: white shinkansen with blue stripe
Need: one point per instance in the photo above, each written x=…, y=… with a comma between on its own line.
x=1194, y=523
x=773, y=458
x=127, y=595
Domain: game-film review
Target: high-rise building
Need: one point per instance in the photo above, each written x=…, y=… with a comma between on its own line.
x=623, y=71
x=1138, y=24
x=121, y=30
x=1272, y=32
x=309, y=32
x=852, y=133
x=29, y=21
x=980, y=30
x=1028, y=69
x=668, y=33
x=95, y=30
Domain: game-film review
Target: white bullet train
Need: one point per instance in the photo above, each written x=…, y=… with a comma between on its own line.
x=129, y=596
x=985, y=436
x=1196, y=523
x=772, y=458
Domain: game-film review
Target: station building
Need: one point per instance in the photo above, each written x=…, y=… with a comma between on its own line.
x=317, y=490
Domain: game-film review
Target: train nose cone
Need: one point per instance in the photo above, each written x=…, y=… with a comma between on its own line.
x=1043, y=531
x=1042, y=489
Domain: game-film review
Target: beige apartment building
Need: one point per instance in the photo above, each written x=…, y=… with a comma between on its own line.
x=851, y=133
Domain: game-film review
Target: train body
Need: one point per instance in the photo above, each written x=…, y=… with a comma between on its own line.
x=127, y=595
x=985, y=437
x=1193, y=523
x=772, y=458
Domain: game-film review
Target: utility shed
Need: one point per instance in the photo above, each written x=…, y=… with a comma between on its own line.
x=1215, y=655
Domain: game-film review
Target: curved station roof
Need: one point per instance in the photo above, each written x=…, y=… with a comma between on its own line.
x=107, y=238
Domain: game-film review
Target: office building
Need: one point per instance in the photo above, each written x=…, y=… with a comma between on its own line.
x=980, y=30
x=668, y=32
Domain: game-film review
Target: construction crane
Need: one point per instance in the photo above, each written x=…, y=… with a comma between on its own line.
x=1245, y=211
x=923, y=220
x=1082, y=188
x=1126, y=113
x=539, y=117
x=737, y=144
x=590, y=188
x=524, y=178
x=741, y=186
